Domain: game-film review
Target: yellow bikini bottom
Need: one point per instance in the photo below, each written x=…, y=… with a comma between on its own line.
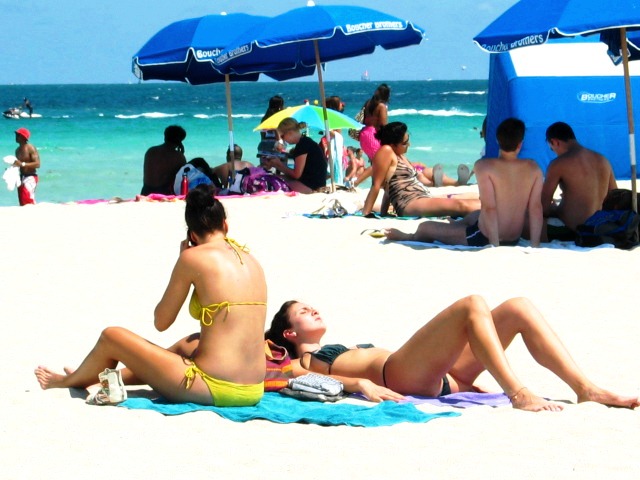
x=227, y=394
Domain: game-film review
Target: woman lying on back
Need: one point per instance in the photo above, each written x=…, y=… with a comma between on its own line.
x=446, y=355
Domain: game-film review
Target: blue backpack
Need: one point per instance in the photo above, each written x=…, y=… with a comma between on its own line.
x=617, y=227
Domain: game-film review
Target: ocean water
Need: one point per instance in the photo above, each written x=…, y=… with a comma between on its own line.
x=92, y=138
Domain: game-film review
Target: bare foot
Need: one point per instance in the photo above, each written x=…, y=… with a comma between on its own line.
x=49, y=379
x=525, y=400
x=605, y=397
x=69, y=370
x=395, y=234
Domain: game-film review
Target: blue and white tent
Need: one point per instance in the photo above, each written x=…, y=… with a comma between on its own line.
x=571, y=81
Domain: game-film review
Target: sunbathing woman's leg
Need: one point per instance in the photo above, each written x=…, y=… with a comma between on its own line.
x=441, y=207
x=152, y=365
x=520, y=316
x=419, y=365
x=185, y=347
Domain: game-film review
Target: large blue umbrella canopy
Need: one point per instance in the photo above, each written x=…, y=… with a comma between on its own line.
x=306, y=36
x=184, y=51
x=534, y=22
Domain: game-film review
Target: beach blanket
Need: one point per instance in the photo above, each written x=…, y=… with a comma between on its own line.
x=463, y=400
x=523, y=245
x=281, y=409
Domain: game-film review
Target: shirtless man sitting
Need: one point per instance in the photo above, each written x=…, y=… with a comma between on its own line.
x=223, y=171
x=584, y=177
x=162, y=162
x=509, y=189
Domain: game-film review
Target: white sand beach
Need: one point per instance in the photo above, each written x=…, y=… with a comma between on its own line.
x=71, y=270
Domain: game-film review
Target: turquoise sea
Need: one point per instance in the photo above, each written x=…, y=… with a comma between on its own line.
x=92, y=138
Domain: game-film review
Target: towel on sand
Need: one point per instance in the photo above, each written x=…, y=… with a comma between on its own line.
x=280, y=409
x=463, y=400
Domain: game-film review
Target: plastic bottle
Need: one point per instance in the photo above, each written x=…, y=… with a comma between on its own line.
x=184, y=186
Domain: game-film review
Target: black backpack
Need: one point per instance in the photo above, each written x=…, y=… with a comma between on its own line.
x=618, y=227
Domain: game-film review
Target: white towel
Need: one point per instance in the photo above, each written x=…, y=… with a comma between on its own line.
x=12, y=177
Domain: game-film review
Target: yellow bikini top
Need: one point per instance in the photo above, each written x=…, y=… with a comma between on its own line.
x=206, y=314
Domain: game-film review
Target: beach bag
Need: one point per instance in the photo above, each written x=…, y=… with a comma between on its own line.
x=278, y=367
x=617, y=227
x=353, y=133
x=619, y=199
x=256, y=180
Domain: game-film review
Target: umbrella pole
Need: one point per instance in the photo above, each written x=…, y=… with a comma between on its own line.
x=632, y=136
x=231, y=157
x=327, y=133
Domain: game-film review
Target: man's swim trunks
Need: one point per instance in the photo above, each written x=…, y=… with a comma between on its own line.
x=27, y=189
x=475, y=238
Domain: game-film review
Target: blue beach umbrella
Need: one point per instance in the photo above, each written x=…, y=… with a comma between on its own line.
x=308, y=36
x=534, y=22
x=184, y=51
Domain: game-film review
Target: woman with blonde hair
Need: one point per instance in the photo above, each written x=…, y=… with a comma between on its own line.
x=309, y=171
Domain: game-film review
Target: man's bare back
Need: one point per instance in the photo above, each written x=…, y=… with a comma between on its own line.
x=584, y=177
x=509, y=195
x=509, y=189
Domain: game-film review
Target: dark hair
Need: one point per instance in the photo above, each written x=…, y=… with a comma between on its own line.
x=392, y=133
x=560, y=131
x=201, y=164
x=279, y=324
x=334, y=103
x=510, y=134
x=276, y=103
x=237, y=152
x=175, y=134
x=381, y=95
x=204, y=213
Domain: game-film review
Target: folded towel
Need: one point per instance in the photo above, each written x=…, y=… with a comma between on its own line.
x=280, y=409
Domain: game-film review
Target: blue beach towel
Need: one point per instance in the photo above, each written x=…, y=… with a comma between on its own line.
x=281, y=409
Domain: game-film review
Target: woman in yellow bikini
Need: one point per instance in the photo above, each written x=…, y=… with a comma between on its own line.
x=223, y=365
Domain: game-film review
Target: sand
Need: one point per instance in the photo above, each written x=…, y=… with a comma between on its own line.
x=71, y=270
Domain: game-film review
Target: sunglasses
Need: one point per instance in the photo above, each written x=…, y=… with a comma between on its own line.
x=406, y=142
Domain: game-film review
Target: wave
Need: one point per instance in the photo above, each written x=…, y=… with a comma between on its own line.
x=224, y=115
x=454, y=112
x=149, y=115
x=465, y=92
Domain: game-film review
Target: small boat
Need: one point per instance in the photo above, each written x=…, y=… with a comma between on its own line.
x=15, y=113
x=365, y=76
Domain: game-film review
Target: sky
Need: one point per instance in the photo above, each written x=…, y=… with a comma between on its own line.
x=79, y=41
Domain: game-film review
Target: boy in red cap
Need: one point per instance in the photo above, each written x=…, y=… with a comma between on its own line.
x=28, y=160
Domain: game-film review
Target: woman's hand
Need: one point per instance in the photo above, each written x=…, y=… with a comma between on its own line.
x=376, y=393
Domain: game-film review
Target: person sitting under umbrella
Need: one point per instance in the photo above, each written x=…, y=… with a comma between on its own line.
x=309, y=171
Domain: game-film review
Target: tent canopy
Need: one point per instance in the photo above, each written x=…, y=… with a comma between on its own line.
x=572, y=81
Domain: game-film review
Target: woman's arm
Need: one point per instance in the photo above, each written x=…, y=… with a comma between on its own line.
x=380, y=166
x=382, y=114
x=176, y=292
x=363, y=386
x=295, y=172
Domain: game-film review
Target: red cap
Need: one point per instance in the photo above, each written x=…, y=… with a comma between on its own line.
x=24, y=132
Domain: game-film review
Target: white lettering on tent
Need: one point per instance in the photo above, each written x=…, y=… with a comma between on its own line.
x=220, y=59
x=523, y=42
x=208, y=53
x=586, y=97
x=387, y=25
x=359, y=27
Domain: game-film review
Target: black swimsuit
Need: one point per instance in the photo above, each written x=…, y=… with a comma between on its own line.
x=329, y=353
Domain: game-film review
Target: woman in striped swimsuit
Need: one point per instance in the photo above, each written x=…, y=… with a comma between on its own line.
x=403, y=185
